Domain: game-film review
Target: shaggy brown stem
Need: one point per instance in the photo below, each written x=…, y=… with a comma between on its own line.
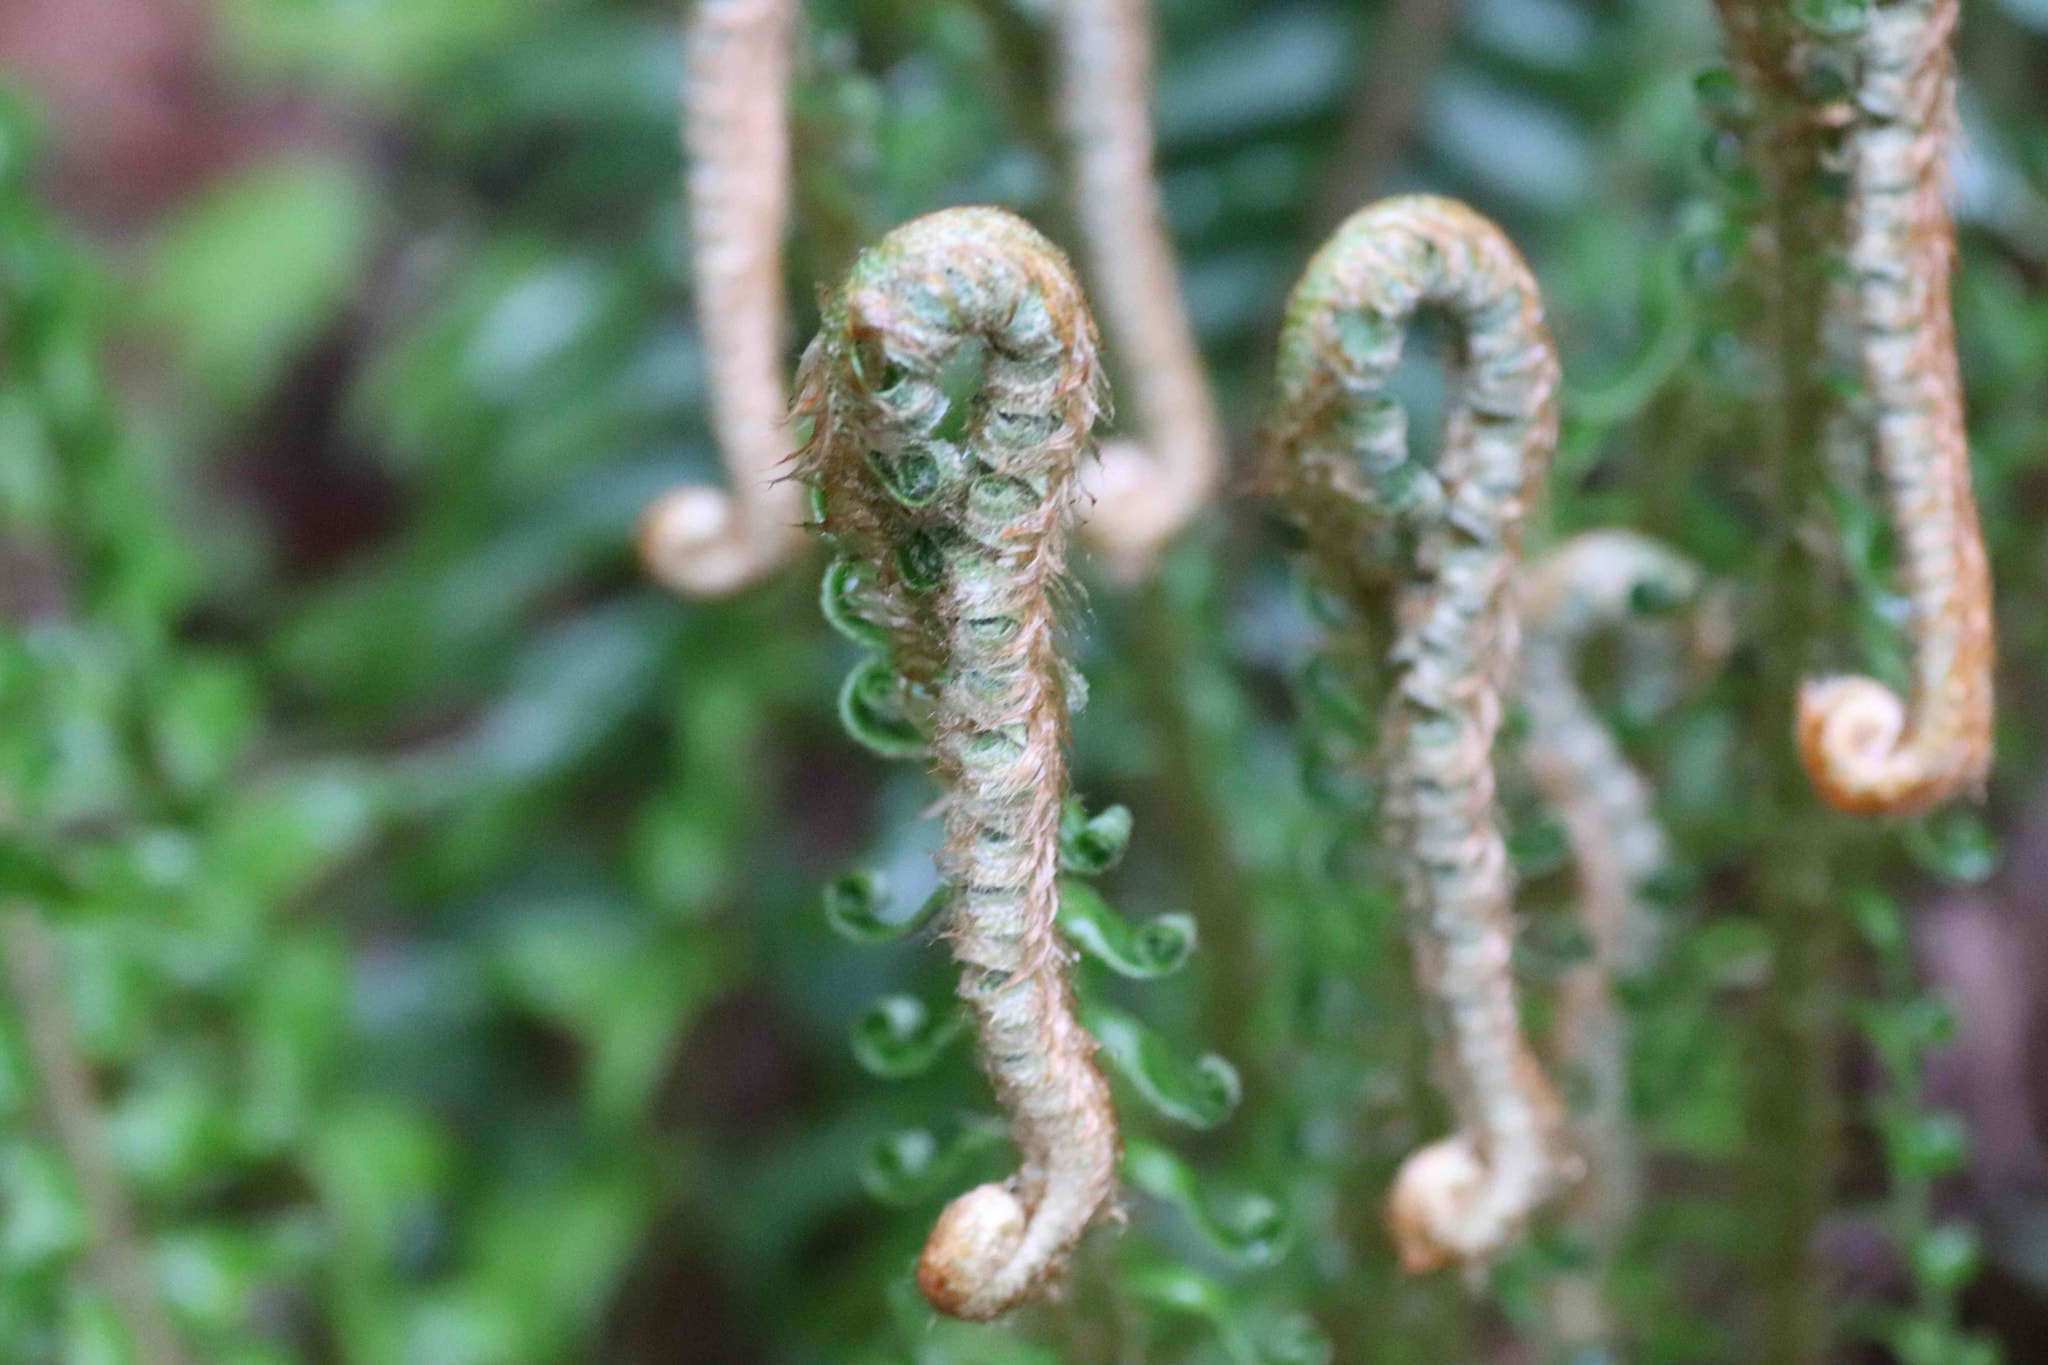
x=1869, y=752
x=1143, y=494
x=1452, y=535
x=954, y=387
x=704, y=540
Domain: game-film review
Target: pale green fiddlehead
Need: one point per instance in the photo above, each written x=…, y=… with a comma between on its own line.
x=1869, y=752
x=1593, y=582
x=953, y=388
x=1340, y=454
x=701, y=539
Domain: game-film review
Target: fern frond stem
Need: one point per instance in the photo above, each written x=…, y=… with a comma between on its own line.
x=1871, y=753
x=1795, y=849
x=705, y=540
x=953, y=390
x=1595, y=581
x=1144, y=493
x=1452, y=537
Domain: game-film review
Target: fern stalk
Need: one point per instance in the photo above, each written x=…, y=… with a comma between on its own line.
x=1596, y=581
x=953, y=389
x=704, y=540
x=1452, y=536
x=1143, y=494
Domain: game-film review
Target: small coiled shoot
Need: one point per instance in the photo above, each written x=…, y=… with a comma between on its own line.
x=1339, y=452
x=1143, y=492
x=1597, y=581
x=699, y=539
x=953, y=388
x=1868, y=751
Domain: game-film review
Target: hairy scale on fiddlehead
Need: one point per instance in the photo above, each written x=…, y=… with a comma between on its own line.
x=1595, y=581
x=1868, y=751
x=701, y=539
x=953, y=388
x=1340, y=453
x=1143, y=493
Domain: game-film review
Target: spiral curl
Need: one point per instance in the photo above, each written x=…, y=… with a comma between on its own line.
x=699, y=539
x=1868, y=751
x=1339, y=452
x=953, y=389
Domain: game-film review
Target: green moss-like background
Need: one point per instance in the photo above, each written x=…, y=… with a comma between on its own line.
x=440, y=901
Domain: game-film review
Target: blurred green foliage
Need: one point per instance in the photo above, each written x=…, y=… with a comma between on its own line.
x=440, y=902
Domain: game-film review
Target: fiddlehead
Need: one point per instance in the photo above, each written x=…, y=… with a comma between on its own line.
x=1592, y=582
x=700, y=539
x=1595, y=581
x=1340, y=452
x=953, y=388
x=1869, y=752
x=1143, y=493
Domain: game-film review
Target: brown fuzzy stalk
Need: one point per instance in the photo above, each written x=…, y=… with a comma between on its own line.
x=954, y=388
x=1340, y=454
x=703, y=540
x=1143, y=493
x=1869, y=752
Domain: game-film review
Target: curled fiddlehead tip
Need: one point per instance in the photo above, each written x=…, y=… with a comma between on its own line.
x=696, y=540
x=701, y=540
x=1429, y=1209
x=1868, y=751
x=1854, y=741
x=1125, y=512
x=953, y=390
x=1593, y=581
x=1141, y=493
x=1601, y=577
x=1340, y=451
x=976, y=1236
x=1848, y=728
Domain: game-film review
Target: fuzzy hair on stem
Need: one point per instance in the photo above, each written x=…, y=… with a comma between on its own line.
x=953, y=389
x=702, y=540
x=1868, y=751
x=1143, y=493
x=1595, y=581
x=1338, y=450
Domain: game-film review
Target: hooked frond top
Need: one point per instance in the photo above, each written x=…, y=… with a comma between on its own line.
x=955, y=381
x=701, y=539
x=1145, y=490
x=1449, y=535
x=1869, y=751
x=952, y=391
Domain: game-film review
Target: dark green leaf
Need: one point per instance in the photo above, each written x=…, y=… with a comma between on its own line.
x=856, y=907
x=1200, y=1093
x=898, y=1037
x=872, y=709
x=1093, y=846
x=1159, y=947
x=1251, y=1229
